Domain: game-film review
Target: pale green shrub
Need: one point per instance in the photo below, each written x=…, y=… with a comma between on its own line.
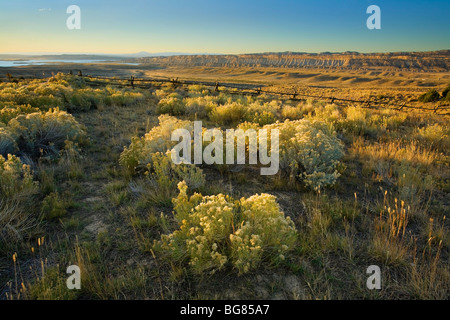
x=437, y=135
x=206, y=238
x=197, y=91
x=200, y=106
x=309, y=150
x=122, y=97
x=79, y=101
x=171, y=105
x=8, y=144
x=140, y=151
x=265, y=113
x=16, y=179
x=356, y=121
x=45, y=133
x=292, y=113
x=231, y=113
x=160, y=93
x=164, y=176
x=67, y=91
x=205, y=225
x=10, y=111
x=264, y=231
x=329, y=113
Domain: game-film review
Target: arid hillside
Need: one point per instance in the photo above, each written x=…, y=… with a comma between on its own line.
x=413, y=61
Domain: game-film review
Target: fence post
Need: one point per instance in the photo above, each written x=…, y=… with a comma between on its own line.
x=436, y=109
x=174, y=82
x=294, y=95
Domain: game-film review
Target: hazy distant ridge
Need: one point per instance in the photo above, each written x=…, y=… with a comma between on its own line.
x=424, y=61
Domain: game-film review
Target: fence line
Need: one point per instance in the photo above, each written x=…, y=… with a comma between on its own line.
x=250, y=89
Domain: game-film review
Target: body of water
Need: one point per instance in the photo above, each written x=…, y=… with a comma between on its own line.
x=10, y=63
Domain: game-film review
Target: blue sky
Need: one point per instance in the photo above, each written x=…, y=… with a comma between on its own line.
x=232, y=26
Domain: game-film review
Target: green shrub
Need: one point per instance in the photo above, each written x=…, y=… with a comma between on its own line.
x=262, y=117
x=171, y=105
x=445, y=93
x=10, y=111
x=292, y=113
x=139, y=154
x=122, y=98
x=431, y=96
x=264, y=231
x=206, y=238
x=200, y=106
x=309, y=150
x=8, y=144
x=228, y=114
x=16, y=179
x=447, y=96
x=262, y=113
x=164, y=176
x=53, y=206
x=79, y=102
x=436, y=135
x=46, y=133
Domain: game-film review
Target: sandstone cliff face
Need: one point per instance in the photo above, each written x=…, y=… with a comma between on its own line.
x=413, y=61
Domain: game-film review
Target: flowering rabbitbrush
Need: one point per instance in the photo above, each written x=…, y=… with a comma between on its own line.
x=218, y=230
x=214, y=153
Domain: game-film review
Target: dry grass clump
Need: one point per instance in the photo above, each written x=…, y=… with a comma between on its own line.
x=17, y=192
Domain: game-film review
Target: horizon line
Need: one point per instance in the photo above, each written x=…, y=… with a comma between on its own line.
x=212, y=53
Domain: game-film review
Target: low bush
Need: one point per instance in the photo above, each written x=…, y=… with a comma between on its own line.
x=436, y=135
x=216, y=230
x=139, y=154
x=163, y=176
x=10, y=111
x=228, y=114
x=44, y=134
x=446, y=93
x=310, y=150
x=53, y=206
x=200, y=106
x=171, y=105
x=8, y=144
x=431, y=96
x=291, y=112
